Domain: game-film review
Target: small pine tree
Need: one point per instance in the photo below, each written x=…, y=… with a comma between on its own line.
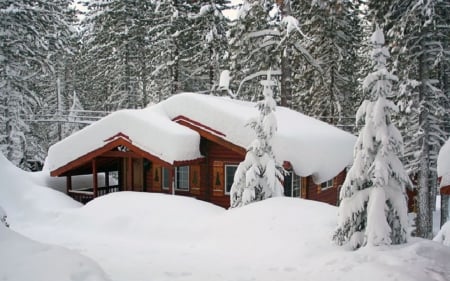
x=373, y=209
x=259, y=176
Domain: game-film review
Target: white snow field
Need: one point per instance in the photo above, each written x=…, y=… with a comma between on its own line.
x=26, y=202
x=143, y=236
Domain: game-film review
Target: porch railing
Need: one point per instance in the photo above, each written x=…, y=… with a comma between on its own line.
x=87, y=194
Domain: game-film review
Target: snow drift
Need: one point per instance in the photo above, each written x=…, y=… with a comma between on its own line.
x=21, y=196
x=443, y=235
x=145, y=236
x=22, y=259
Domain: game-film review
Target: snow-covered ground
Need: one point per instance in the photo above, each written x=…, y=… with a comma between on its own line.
x=144, y=236
x=443, y=235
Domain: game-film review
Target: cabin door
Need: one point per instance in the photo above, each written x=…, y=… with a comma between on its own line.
x=138, y=174
x=133, y=174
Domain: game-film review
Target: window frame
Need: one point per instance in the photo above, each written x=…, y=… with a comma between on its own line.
x=177, y=171
x=226, y=177
x=326, y=184
x=294, y=178
x=164, y=171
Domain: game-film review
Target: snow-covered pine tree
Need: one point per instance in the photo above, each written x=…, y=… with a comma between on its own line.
x=334, y=36
x=259, y=176
x=253, y=40
x=115, y=53
x=373, y=209
x=419, y=36
x=293, y=57
x=267, y=34
x=54, y=88
x=207, y=48
x=31, y=33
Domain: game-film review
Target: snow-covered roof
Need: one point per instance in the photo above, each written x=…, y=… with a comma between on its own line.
x=443, y=164
x=311, y=146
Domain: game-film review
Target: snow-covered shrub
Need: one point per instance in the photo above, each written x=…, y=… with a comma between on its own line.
x=443, y=235
x=373, y=209
x=3, y=217
x=259, y=176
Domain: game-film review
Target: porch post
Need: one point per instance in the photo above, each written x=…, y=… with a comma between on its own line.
x=107, y=179
x=129, y=175
x=172, y=179
x=94, y=177
x=68, y=183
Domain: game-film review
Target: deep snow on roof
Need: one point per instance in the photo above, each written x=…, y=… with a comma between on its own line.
x=311, y=146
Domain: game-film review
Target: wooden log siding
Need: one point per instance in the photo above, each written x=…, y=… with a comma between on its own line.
x=218, y=157
x=445, y=190
x=329, y=195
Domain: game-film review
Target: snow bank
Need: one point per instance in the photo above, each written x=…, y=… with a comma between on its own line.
x=20, y=196
x=443, y=164
x=140, y=214
x=22, y=259
x=166, y=237
x=443, y=235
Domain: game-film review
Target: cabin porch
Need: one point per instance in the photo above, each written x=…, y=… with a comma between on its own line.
x=123, y=172
x=124, y=166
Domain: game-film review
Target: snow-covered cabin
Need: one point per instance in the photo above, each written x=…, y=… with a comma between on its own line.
x=443, y=169
x=191, y=144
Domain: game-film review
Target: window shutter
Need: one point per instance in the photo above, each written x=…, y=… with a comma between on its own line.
x=218, y=178
x=157, y=177
x=194, y=177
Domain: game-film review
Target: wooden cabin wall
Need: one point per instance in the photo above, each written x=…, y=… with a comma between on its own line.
x=207, y=179
x=329, y=195
x=218, y=157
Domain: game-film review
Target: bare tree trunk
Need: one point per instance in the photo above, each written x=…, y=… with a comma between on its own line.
x=444, y=208
x=285, y=87
x=424, y=213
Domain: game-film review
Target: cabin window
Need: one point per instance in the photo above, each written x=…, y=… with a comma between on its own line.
x=292, y=185
x=182, y=178
x=230, y=170
x=327, y=184
x=165, y=172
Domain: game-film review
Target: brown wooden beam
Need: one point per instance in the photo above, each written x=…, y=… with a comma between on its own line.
x=120, y=154
x=209, y=133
